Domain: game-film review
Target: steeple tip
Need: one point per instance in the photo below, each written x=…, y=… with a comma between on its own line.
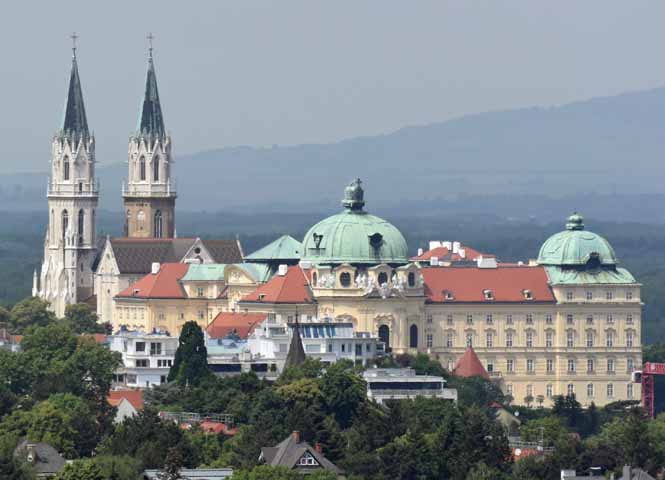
x=151, y=120
x=74, y=120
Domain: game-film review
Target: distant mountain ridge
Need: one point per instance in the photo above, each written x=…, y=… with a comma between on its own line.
x=604, y=145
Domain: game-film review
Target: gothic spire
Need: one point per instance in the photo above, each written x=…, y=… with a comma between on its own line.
x=296, y=354
x=74, y=121
x=151, y=121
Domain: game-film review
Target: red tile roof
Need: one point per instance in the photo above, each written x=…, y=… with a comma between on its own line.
x=242, y=323
x=468, y=284
x=163, y=284
x=134, y=397
x=97, y=337
x=217, y=427
x=290, y=288
x=447, y=255
x=469, y=366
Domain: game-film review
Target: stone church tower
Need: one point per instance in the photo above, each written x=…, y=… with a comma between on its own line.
x=149, y=195
x=73, y=192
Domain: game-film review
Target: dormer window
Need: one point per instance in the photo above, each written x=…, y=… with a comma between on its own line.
x=345, y=279
x=412, y=279
x=383, y=278
x=528, y=295
x=488, y=294
x=376, y=240
x=307, y=460
x=261, y=296
x=448, y=295
x=317, y=240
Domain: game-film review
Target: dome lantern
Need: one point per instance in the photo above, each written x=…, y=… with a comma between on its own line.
x=354, y=196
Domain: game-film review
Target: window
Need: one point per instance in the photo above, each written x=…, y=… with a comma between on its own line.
x=142, y=363
x=527, y=294
x=589, y=365
x=139, y=346
x=142, y=168
x=430, y=318
x=629, y=391
x=158, y=233
x=571, y=365
x=65, y=222
x=589, y=390
x=155, y=169
x=155, y=348
x=200, y=291
x=469, y=319
x=570, y=338
x=81, y=225
x=160, y=315
x=307, y=460
x=548, y=319
x=610, y=365
x=330, y=348
x=201, y=315
x=469, y=339
x=629, y=319
x=569, y=296
x=529, y=339
x=550, y=365
x=630, y=364
x=164, y=363
x=510, y=365
x=570, y=389
x=359, y=350
x=610, y=339
x=345, y=279
x=449, y=340
x=589, y=295
x=65, y=168
x=488, y=294
x=488, y=319
x=629, y=338
x=429, y=340
x=509, y=390
x=343, y=347
x=162, y=379
x=609, y=319
x=629, y=294
x=509, y=339
x=610, y=390
x=570, y=319
x=383, y=278
x=589, y=319
x=490, y=366
x=489, y=339
x=529, y=365
x=529, y=390
x=449, y=319
x=549, y=391
x=548, y=339
x=589, y=339
x=609, y=295
x=413, y=336
x=509, y=319
x=529, y=319
x=411, y=279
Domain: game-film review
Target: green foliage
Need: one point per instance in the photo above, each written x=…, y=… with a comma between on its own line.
x=10, y=467
x=344, y=391
x=654, y=353
x=81, y=470
x=172, y=465
x=310, y=368
x=30, y=312
x=481, y=471
x=81, y=319
x=121, y=467
x=190, y=366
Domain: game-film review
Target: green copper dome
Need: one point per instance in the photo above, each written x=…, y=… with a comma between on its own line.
x=354, y=236
x=576, y=246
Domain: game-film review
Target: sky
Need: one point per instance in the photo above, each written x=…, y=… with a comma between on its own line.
x=285, y=72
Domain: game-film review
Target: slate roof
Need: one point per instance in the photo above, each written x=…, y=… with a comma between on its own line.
x=47, y=462
x=241, y=323
x=296, y=354
x=151, y=119
x=293, y=287
x=224, y=251
x=285, y=248
x=469, y=365
x=74, y=120
x=467, y=284
x=290, y=450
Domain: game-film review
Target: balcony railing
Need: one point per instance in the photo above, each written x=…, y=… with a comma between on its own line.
x=166, y=189
x=75, y=188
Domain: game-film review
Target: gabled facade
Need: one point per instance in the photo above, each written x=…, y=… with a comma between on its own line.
x=295, y=454
x=66, y=274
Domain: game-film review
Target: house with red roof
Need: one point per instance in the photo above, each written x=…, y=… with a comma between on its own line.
x=128, y=403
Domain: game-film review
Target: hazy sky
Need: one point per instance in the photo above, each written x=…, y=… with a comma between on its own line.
x=285, y=72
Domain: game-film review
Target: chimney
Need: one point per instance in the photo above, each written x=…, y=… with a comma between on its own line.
x=32, y=454
x=433, y=261
x=318, y=448
x=420, y=251
x=155, y=268
x=282, y=269
x=296, y=436
x=456, y=246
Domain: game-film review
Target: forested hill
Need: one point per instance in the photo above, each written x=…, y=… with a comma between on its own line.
x=610, y=145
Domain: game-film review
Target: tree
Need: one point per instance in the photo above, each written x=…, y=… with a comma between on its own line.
x=80, y=470
x=81, y=319
x=481, y=471
x=31, y=311
x=343, y=390
x=172, y=465
x=528, y=400
x=190, y=365
x=266, y=472
x=568, y=408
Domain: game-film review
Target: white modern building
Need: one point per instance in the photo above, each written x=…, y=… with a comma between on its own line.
x=147, y=357
x=403, y=383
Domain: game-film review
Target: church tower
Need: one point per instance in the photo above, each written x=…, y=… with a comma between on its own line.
x=73, y=193
x=149, y=195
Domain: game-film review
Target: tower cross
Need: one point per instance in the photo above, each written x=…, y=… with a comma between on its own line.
x=74, y=38
x=150, y=38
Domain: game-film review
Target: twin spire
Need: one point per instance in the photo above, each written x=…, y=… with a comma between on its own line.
x=75, y=123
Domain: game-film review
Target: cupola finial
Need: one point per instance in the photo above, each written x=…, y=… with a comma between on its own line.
x=354, y=196
x=575, y=222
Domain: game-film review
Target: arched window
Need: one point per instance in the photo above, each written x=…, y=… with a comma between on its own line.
x=345, y=279
x=158, y=224
x=142, y=168
x=412, y=279
x=384, y=336
x=65, y=168
x=155, y=169
x=81, y=225
x=383, y=278
x=413, y=336
x=128, y=219
x=140, y=219
x=65, y=222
